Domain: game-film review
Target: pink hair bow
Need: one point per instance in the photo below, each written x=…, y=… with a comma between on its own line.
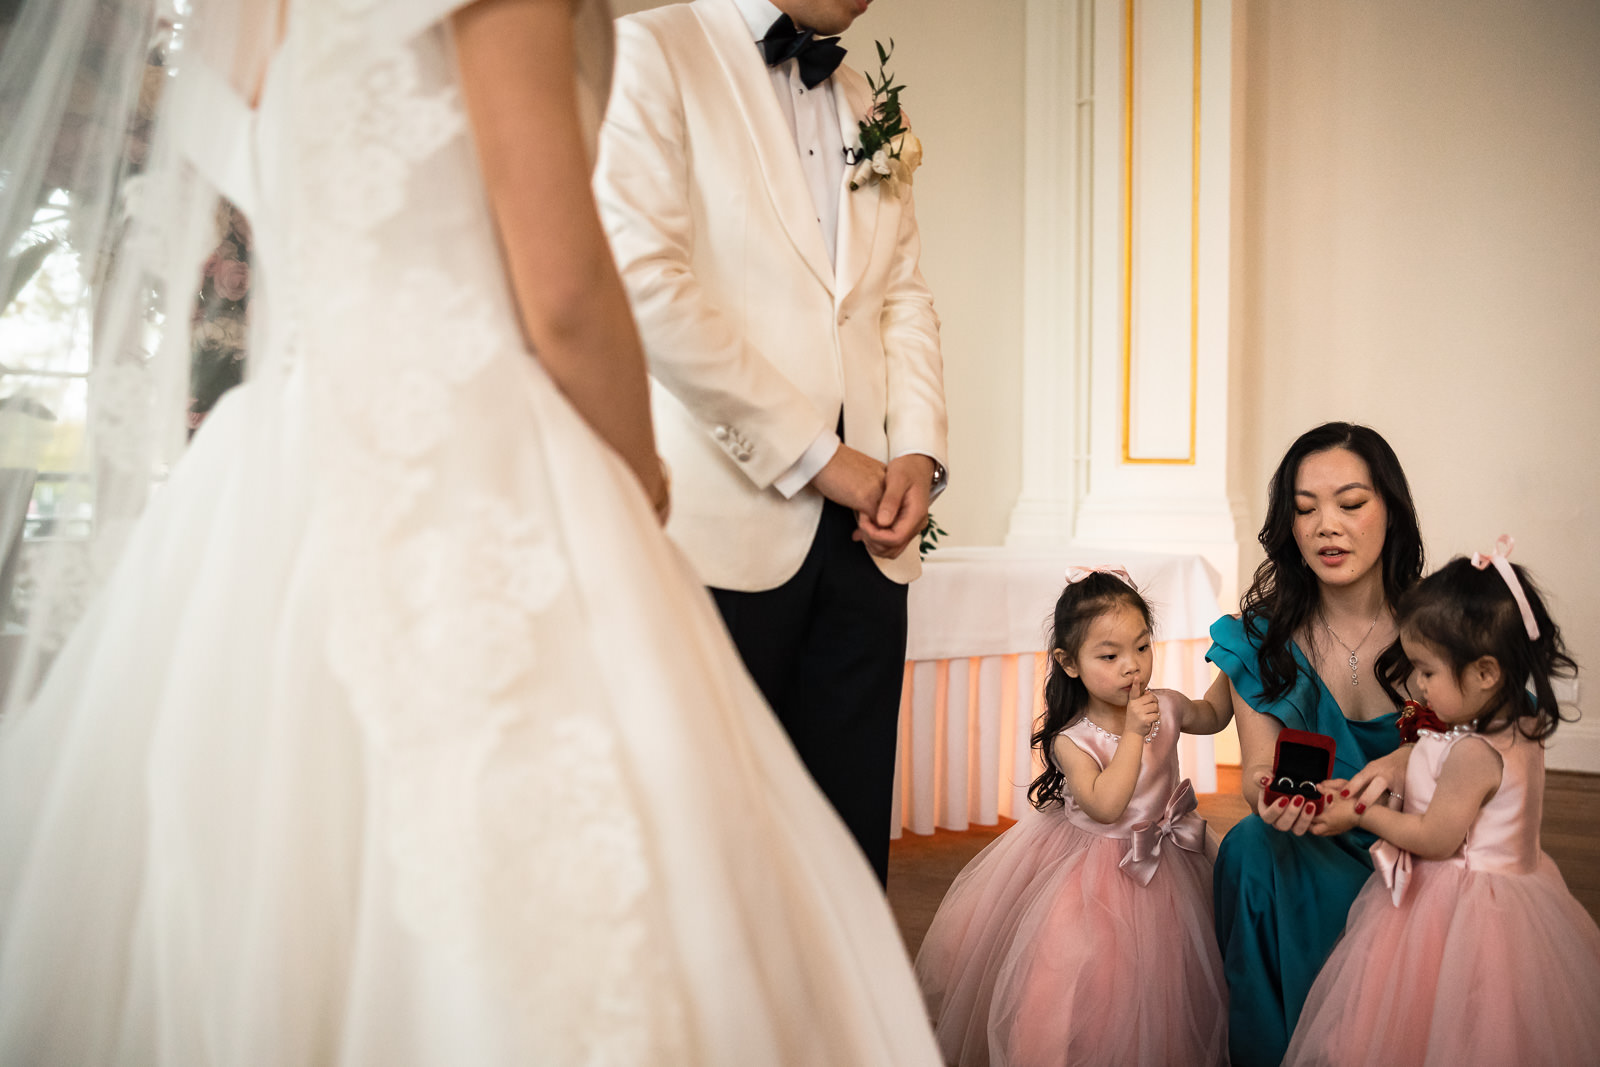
x=1394, y=865
x=1078, y=574
x=1501, y=560
x=1180, y=822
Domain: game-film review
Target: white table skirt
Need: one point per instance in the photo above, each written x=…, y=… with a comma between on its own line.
x=975, y=662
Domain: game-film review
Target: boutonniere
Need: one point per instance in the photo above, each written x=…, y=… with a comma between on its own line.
x=889, y=152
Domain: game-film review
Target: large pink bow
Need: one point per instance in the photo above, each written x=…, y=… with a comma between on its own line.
x=1394, y=865
x=1500, y=558
x=1078, y=574
x=1180, y=822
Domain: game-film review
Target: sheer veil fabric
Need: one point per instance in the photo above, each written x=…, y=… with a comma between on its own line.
x=398, y=733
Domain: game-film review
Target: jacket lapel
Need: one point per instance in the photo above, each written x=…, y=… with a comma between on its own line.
x=769, y=132
x=858, y=209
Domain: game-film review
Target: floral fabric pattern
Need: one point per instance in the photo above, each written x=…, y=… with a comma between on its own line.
x=450, y=583
x=221, y=316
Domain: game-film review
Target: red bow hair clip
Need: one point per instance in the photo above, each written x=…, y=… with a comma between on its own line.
x=1415, y=717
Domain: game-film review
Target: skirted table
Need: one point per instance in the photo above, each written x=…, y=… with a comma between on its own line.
x=975, y=668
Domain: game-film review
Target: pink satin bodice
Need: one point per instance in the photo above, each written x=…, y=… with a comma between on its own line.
x=1505, y=835
x=1158, y=771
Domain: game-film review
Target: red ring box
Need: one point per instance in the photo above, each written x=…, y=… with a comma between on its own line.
x=1301, y=761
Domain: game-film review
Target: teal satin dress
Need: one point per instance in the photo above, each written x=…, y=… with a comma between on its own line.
x=1281, y=900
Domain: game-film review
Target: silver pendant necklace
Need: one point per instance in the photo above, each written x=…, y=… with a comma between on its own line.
x=1354, y=661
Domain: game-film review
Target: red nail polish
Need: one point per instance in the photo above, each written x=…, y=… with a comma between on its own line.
x=1298, y=802
x=1360, y=808
x=1344, y=792
x=1284, y=802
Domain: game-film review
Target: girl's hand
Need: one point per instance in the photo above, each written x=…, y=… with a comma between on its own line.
x=1290, y=814
x=1341, y=809
x=1362, y=792
x=1384, y=769
x=1144, y=711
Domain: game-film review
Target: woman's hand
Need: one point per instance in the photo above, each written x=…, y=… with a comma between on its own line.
x=1292, y=815
x=1341, y=809
x=1383, y=770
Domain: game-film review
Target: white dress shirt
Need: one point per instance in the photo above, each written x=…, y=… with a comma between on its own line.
x=813, y=117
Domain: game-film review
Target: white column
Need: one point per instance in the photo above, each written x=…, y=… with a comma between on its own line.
x=1057, y=197
x=1160, y=292
x=1127, y=188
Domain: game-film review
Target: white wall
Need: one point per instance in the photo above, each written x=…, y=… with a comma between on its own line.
x=961, y=63
x=1421, y=253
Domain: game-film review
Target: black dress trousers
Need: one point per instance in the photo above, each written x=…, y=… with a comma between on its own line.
x=827, y=649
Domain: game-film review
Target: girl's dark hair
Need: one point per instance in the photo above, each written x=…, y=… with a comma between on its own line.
x=1065, y=697
x=1466, y=614
x=1284, y=592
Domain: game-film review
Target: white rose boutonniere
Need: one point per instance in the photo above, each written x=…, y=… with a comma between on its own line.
x=889, y=151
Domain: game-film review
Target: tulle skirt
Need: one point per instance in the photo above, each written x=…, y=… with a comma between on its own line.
x=208, y=858
x=1472, y=968
x=1044, y=952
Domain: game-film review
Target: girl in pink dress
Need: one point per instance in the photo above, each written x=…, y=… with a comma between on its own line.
x=1083, y=934
x=1465, y=946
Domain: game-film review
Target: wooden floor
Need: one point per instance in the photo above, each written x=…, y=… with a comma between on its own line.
x=921, y=867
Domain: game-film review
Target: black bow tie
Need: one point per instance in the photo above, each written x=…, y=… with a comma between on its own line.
x=818, y=56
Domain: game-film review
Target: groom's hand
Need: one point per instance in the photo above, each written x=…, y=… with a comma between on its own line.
x=903, y=511
x=853, y=479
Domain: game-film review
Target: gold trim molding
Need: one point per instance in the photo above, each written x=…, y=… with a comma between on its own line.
x=1127, y=252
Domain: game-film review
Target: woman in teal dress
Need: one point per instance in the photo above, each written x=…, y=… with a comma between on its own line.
x=1342, y=544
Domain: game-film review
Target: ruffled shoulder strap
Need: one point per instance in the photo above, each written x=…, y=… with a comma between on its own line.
x=1236, y=652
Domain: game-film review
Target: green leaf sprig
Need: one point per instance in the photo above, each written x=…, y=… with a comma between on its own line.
x=930, y=536
x=884, y=121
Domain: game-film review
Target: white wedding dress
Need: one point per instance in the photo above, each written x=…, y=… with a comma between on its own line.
x=402, y=735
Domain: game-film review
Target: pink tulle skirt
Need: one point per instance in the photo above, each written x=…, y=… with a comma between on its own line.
x=1473, y=968
x=1045, y=953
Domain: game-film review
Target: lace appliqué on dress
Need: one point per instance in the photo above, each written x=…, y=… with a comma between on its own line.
x=507, y=817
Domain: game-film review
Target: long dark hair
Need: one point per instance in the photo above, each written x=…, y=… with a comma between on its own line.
x=1066, y=697
x=1466, y=614
x=1284, y=592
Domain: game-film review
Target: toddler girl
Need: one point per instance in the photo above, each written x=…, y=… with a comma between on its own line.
x=1083, y=934
x=1465, y=946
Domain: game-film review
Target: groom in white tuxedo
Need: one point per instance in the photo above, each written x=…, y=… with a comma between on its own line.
x=798, y=388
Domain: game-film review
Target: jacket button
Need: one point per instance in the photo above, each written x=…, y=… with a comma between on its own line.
x=720, y=433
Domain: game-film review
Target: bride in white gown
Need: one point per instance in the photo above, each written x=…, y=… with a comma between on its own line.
x=400, y=734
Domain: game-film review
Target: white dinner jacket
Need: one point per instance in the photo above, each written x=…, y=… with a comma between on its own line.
x=754, y=340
